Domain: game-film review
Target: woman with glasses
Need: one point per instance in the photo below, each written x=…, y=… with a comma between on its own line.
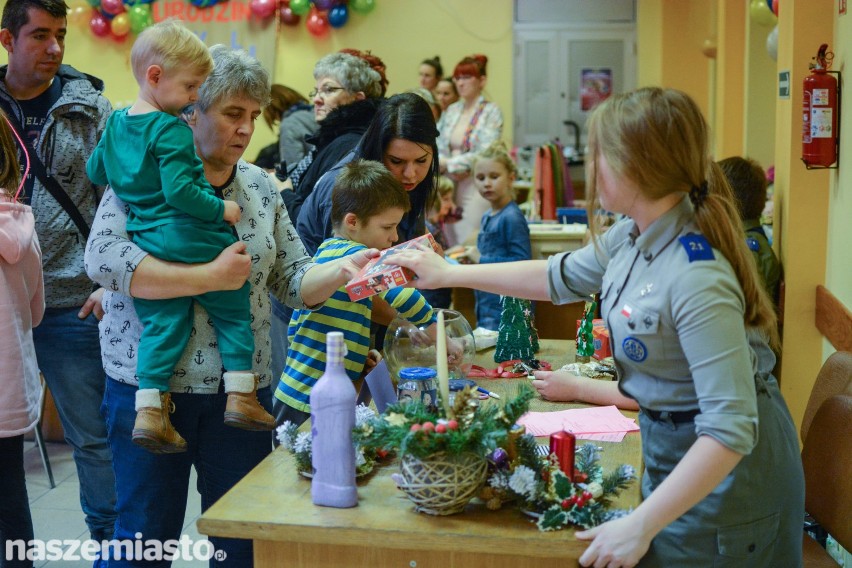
x=468, y=126
x=349, y=87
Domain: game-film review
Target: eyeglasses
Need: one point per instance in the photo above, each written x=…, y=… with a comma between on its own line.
x=325, y=91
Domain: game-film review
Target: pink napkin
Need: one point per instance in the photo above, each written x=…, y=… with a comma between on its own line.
x=602, y=423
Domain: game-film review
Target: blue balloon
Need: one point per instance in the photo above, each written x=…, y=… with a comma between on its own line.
x=327, y=4
x=338, y=16
x=769, y=3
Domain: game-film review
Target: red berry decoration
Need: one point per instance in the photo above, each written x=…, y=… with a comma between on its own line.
x=441, y=428
x=415, y=427
x=428, y=427
x=453, y=424
x=566, y=503
x=580, y=477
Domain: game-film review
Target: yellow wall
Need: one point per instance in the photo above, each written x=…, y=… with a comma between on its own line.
x=801, y=202
x=838, y=274
x=730, y=79
x=761, y=93
x=401, y=32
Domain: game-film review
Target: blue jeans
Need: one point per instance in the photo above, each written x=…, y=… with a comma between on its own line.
x=153, y=488
x=69, y=356
x=279, y=322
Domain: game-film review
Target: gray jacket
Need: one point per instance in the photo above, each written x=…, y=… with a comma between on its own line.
x=72, y=130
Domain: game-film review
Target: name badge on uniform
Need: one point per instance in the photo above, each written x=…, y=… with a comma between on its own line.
x=697, y=247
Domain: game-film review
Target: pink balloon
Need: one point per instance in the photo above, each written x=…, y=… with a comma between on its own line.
x=99, y=25
x=262, y=8
x=288, y=18
x=112, y=6
x=317, y=22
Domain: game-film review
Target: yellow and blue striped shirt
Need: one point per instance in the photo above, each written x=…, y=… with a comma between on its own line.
x=307, y=330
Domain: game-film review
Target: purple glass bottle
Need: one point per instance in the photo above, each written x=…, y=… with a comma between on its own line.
x=332, y=421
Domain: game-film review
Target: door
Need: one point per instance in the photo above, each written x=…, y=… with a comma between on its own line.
x=559, y=73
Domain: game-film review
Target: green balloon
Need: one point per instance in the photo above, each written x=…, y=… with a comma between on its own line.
x=300, y=7
x=140, y=17
x=362, y=6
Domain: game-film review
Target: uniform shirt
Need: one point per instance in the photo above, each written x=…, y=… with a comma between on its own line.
x=674, y=309
x=306, y=355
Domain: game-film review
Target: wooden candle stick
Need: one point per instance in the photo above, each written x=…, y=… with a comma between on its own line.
x=443, y=371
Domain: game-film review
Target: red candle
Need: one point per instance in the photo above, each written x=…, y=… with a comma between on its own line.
x=562, y=444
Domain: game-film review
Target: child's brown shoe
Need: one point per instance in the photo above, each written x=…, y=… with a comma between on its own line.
x=153, y=430
x=243, y=410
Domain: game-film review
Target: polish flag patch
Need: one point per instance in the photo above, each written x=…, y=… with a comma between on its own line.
x=626, y=311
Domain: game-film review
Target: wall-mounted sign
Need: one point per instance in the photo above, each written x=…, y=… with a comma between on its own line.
x=783, y=84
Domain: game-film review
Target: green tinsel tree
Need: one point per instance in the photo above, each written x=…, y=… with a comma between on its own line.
x=517, y=336
x=585, y=336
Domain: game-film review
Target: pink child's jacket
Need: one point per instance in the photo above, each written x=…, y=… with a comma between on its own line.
x=21, y=309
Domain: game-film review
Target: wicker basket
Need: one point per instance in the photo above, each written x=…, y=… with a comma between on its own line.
x=442, y=485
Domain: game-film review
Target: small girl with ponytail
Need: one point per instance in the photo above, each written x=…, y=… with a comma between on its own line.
x=690, y=327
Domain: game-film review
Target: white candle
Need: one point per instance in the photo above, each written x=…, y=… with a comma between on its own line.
x=443, y=371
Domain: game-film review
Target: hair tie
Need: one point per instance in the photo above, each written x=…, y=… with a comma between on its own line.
x=698, y=193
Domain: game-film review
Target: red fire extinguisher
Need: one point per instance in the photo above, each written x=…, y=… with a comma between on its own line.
x=819, y=113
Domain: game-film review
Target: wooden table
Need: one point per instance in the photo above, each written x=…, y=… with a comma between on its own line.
x=272, y=505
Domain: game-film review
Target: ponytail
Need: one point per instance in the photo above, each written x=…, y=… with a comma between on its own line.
x=717, y=217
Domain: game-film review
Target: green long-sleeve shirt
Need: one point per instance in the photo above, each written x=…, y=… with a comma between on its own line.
x=150, y=161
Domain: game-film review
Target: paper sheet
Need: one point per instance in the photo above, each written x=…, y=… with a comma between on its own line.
x=601, y=423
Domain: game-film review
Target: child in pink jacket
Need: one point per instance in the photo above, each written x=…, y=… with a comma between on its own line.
x=21, y=309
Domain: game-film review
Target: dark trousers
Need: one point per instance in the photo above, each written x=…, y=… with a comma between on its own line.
x=15, y=520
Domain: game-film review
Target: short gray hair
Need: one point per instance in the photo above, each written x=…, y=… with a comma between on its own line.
x=235, y=74
x=353, y=73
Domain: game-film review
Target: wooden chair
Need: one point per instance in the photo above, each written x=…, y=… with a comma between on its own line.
x=827, y=462
x=834, y=377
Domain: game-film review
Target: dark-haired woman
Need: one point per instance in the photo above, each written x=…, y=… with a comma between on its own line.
x=402, y=136
x=431, y=71
x=294, y=116
x=468, y=126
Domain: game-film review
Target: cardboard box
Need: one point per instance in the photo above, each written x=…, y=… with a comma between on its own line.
x=596, y=323
x=381, y=274
x=601, y=340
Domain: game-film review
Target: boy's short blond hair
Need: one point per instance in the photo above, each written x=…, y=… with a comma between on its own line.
x=170, y=45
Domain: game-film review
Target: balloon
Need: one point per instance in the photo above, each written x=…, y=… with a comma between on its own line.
x=140, y=17
x=317, y=22
x=775, y=7
x=769, y=4
x=263, y=8
x=99, y=25
x=94, y=3
x=120, y=25
x=324, y=4
x=288, y=18
x=112, y=6
x=300, y=7
x=362, y=6
x=772, y=44
x=760, y=13
x=338, y=16
x=79, y=12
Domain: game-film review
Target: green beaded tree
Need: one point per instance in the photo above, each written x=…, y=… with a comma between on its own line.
x=517, y=336
x=585, y=336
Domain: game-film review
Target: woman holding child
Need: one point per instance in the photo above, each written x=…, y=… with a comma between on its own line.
x=152, y=489
x=690, y=327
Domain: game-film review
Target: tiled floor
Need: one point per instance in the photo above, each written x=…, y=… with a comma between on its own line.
x=56, y=512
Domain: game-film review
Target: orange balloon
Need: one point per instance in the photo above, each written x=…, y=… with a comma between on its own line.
x=80, y=15
x=120, y=25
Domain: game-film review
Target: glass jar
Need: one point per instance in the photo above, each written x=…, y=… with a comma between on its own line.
x=409, y=345
x=418, y=383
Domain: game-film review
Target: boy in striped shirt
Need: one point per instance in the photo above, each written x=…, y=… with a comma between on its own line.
x=367, y=205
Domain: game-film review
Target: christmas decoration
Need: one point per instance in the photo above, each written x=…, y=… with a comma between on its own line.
x=546, y=492
x=299, y=444
x=585, y=337
x=517, y=336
